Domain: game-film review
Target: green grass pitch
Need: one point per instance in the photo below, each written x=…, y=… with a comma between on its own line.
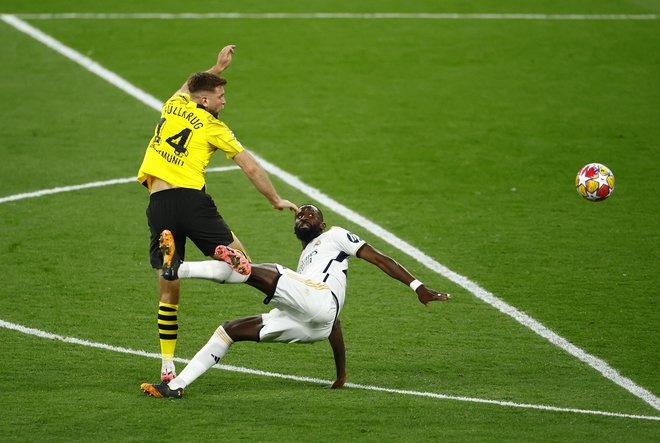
x=461, y=137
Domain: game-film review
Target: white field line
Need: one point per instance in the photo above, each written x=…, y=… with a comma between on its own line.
x=330, y=15
x=596, y=363
x=98, y=184
x=77, y=341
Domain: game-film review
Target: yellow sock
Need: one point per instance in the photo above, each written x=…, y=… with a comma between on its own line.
x=168, y=327
x=244, y=254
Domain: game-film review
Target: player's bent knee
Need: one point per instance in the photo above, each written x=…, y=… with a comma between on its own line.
x=228, y=325
x=244, y=329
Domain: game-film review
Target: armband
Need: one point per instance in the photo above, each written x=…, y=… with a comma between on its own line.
x=415, y=284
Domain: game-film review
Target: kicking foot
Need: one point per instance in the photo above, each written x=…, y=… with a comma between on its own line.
x=161, y=391
x=170, y=262
x=235, y=259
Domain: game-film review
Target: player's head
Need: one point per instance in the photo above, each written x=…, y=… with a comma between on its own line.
x=208, y=90
x=309, y=223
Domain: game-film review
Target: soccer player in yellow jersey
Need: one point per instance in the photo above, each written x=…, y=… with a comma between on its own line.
x=188, y=133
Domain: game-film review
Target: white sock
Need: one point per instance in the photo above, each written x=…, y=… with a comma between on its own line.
x=210, y=354
x=215, y=270
x=167, y=366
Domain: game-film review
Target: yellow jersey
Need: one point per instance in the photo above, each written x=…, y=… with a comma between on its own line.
x=184, y=140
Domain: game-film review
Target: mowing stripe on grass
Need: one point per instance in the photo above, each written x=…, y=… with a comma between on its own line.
x=596, y=363
x=334, y=15
x=78, y=341
x=98, y=184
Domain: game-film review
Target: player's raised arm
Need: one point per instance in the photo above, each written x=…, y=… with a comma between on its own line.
x=398, y=272
x=222, y=63
x=260, y=180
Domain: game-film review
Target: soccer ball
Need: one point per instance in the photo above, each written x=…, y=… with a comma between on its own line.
x=594, y=182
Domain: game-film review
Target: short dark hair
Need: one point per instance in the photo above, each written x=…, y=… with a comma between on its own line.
x=314, y=207
x=204, y=81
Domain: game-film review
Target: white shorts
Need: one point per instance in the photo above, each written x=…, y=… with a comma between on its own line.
x=305, y=311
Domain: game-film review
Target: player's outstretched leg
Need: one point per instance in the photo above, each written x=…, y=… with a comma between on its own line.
x=167, y=249
x=210, y=354
x=236, y=260
x=161, y=391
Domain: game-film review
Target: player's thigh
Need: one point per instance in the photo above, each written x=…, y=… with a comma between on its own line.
x=205, y=226
x=280, y=326
x=303, y=298
x=164, y=212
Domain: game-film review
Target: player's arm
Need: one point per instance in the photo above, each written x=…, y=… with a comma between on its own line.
x=398, y=272
x=222, y=63
x=260, y=180
x=337, y=342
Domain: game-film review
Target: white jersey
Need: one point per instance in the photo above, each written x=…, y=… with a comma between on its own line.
x=325, y=259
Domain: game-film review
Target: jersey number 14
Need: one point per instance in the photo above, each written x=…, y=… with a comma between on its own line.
x=178, y=141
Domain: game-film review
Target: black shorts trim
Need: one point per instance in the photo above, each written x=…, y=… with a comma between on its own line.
x=336, y=304
x=277, y=280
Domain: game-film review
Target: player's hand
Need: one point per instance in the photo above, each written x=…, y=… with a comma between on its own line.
x=426, y=295
x=285, y=204
x=339, y=383
x=224, y=57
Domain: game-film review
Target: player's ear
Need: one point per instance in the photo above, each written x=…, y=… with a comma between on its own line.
x=323, y=226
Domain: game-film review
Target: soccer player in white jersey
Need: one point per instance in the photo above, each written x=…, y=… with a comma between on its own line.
x=306, y=303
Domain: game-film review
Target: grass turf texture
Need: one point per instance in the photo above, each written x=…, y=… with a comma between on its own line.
x=424, y=127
